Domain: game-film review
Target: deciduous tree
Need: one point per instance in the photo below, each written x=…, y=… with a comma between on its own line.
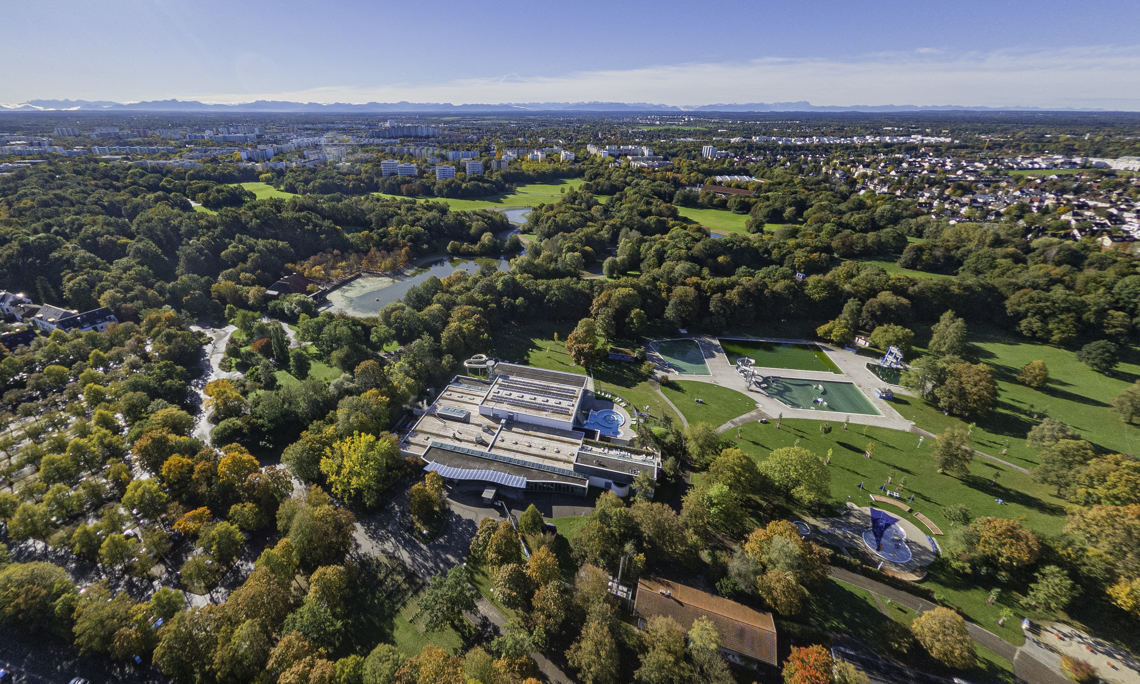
x=942, y=632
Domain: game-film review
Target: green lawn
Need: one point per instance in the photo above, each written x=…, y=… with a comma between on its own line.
x=569, y=527
x=318, y=367
x=720, y=220
x=779, y=355
x=529, y=195
x=890, y=265
x=265, y=191
x=720, y=403
x=204, y=210
x=411, y=641
x=898, y=455
x=1075, y=394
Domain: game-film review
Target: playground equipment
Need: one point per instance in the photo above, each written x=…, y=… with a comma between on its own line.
x=892, y=359
x=744, y=367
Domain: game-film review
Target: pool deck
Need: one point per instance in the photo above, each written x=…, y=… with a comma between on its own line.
x=853, y=366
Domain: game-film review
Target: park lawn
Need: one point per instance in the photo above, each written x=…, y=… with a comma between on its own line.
x=529, y=195
x=721, y=220
x=721, y=404
x=204, y=210
x=285, y=378
x=570, y=526
x=1076, y=394
x=317, y=365
x=411, y=641
x=890, y=265
x=898, y=455
x=266, y=191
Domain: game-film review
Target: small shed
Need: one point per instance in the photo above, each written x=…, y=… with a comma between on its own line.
x=489, y=495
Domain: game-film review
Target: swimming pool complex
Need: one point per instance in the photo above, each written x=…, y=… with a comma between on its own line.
x=683, y=355
x=818, y=395
x=607, y=422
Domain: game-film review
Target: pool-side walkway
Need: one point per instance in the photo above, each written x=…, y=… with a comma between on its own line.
x=854, y=368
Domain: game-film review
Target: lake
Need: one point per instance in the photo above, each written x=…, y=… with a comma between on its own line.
x=366, y=295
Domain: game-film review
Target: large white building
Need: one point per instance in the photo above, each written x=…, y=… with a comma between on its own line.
x=443, y=171
x=407, y=170
x=474, y=168
x=708, y=152
x=523, y=429
x=389, y=167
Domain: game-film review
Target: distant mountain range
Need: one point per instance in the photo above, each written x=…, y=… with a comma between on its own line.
x=277, y=106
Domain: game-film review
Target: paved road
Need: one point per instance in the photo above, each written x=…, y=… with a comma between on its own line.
x=1031, y=662
x=676, y=410
x=211, y=361
x=37, y=659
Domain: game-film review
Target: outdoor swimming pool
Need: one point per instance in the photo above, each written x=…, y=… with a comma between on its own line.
x=818, y=395
x=682, y=354
x=774, y=354
x=607, y=422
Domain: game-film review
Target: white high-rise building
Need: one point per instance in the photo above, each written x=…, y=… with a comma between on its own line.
x=708, y=152
x=389, y=167
x=443, y=171
x=407, y=170
x=474, y=168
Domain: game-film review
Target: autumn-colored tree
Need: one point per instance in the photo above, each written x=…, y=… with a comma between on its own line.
x=236, y=465
x=1112, y=533
x=1033, y=374
x=504, y=546
x=513, y=586
x=542, y=567
x=432, y=666
x=426, y=501
x=595, y=654
x=153, y=448
x=782, y=592
x=192, y=522
x=1113, y=480
x=942, y=632
x=664, y=659
x=810, y=665
x=969, y=390
x=176, y=474
x=1006, y=543
x=359, y=468
x=223, y=399
x=582, y=344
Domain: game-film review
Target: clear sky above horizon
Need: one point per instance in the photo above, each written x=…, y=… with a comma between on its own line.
x=1044, y=53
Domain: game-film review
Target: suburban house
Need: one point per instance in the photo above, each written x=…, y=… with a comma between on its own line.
x=15, y=339
x=49, y=316
x=748, y=636
x=95, y=319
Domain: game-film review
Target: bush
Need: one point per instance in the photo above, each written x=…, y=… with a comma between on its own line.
x=1078, y=670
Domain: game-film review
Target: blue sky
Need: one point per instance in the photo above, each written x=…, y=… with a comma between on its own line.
x=993, y=53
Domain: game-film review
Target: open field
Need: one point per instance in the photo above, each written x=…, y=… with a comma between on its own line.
x=204, y=210
x=411, y=641
x=890, y=265
x=779, y=355
x=716, y=219
x=721, y=404
x=266, y=191
x=530, y=195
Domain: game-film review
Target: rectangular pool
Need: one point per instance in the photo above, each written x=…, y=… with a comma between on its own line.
x=816, y=395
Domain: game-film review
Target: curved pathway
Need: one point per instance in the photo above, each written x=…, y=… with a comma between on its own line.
x=1026, y=665
x=676, y=410
x=995, y=459
x=211, y=360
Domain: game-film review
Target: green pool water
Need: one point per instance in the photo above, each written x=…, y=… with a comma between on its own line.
x=841, y=397
x=788, y=355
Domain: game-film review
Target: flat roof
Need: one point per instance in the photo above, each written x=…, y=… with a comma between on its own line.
x=444, y=456
x=742, y=629
x=545, y=394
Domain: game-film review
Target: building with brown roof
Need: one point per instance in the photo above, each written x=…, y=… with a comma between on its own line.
x=747, y=635
x=725, y=191
x=290, y=284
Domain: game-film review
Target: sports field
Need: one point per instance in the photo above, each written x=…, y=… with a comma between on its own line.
x=779, y=355
x=816, y=395
x=683, y=354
